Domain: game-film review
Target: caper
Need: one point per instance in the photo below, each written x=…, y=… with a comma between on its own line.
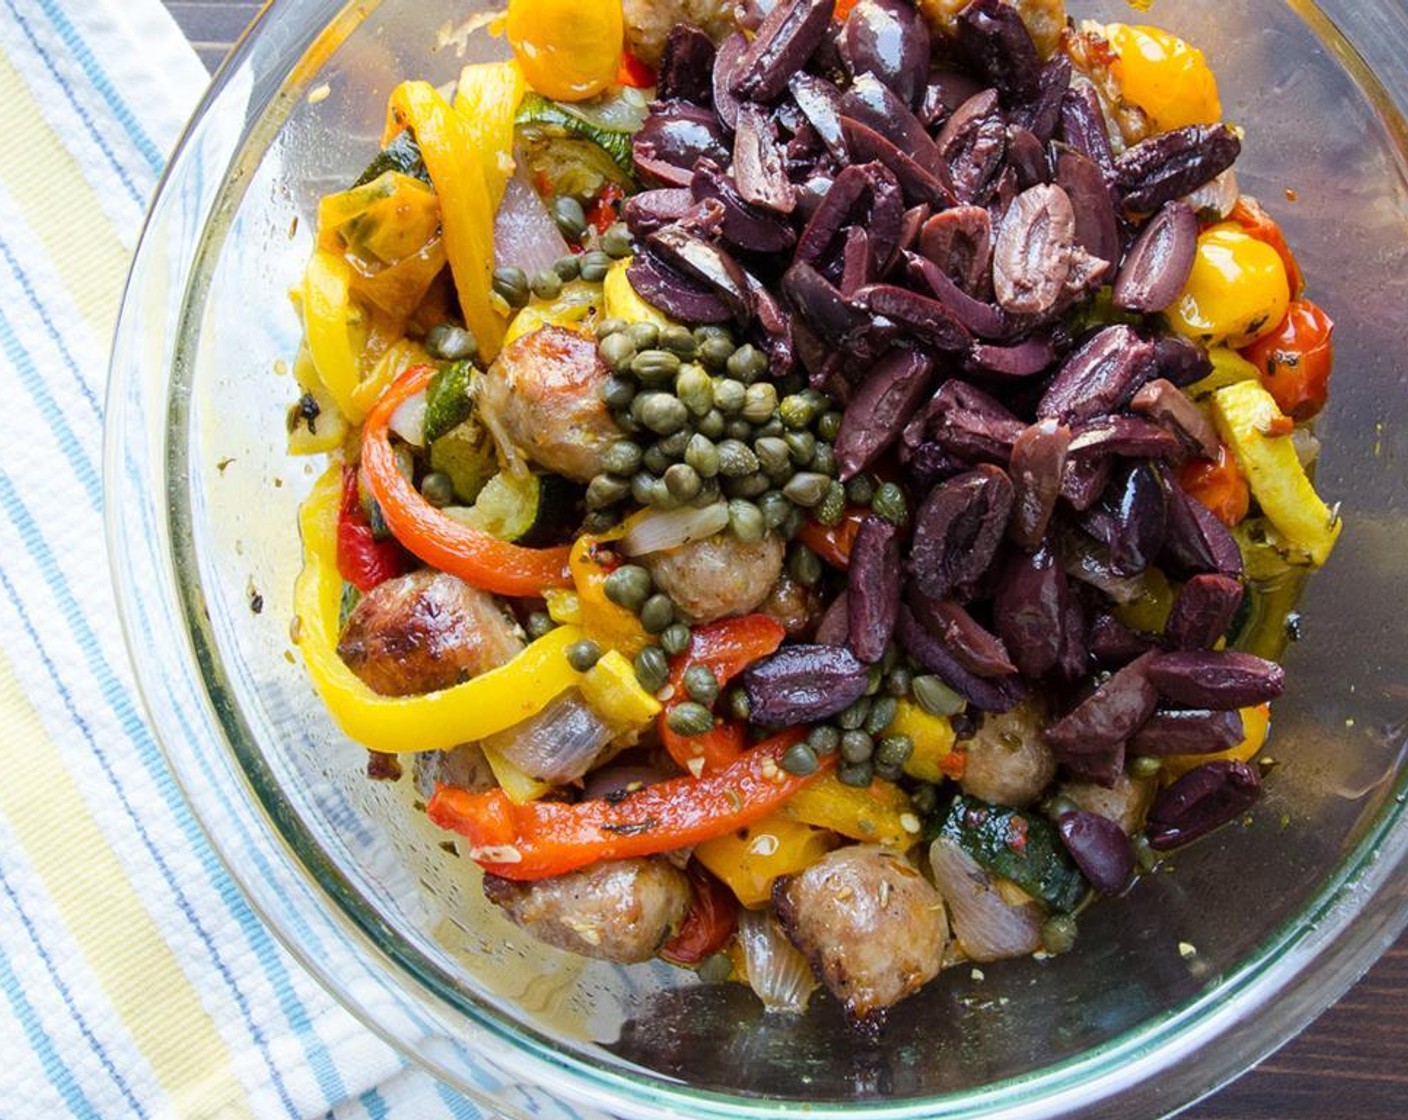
x=874, y=678
x=739, y=429
x=749, y=486
x=739, y=706
x=1144, y=855
x=643, y=487
x=736, y=459
x=858, y=774
x=1058, y=934
x=609, y=327
x=807, y=488
x=853, y=717
x=898, y=681
x=655, y=367
x=860, y=490
x=1059, y=806
x=644, y=335
x=599, y=521
x=661, y=498
x=796, y=412
x=675, y=638
x=622, y=457
x=832, y=507
x=935, y=697
x=656, y=613
x=802, y=446
x=890, y=504
x=746, y=521
x=793, y=524
x=924, y=798
x=759, y=402
x=882, y=712
x=628, y=586
x=747, y=363
x=594, y=266
x=583, y=655
x=829, y=426
x=690, y=719
x=775, y=507
x=824, y=739
x=729, y=395
x=662, y=413
x=772, y=454
x=824, y=460
x=539, y=623
x=652, y=668
x=605, y=490
x=712, y=424
x=678, y=340
x=701, y=455
x=511, y=285
x=655, y=460
x=701, y=684
x=1145, y=766
x=567, y=268
x=628, y=424
x=571, y=219
x=857, y=746
x=616, y=241
x=709, y=493
x=437, y=489
x=804, y=566
x=695, y=388
x=617, y=351
x=547, y=284
x=894, y=750
x=799, y=759
x=682, y=481
x=716, y=351
x=447, y=342
x=770, y=427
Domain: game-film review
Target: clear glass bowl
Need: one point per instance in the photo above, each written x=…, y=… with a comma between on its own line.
x=1283, y=913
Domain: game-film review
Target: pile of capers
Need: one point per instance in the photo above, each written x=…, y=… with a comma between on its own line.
x=703, y=424
x=515, y=287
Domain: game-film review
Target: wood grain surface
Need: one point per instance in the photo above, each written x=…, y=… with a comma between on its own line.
x=1351, y=1064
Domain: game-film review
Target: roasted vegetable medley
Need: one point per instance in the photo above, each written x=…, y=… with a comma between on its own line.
x=818, y=487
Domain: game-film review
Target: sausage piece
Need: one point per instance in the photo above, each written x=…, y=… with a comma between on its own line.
x=649, y=22
x=1009, y=763
x=423, y=632
x=1126, y=802
x=620, y=910
x=719, y=576
x=542, y=398
x=871, y=925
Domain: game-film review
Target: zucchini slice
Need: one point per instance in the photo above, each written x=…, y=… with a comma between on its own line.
x=527, y=509
x=403, y=155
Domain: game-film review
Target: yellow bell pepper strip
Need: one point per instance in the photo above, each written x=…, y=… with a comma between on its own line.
x=521, y=788
x=1256, y=725
x=1258, y=432
x=875, y=814
x=487, y=97
x=475, y=556
x=1165, y=76
x=399, y=357
x=606, y=623
x=1149, y=612
x=569, y=49
x=616, y=695
x=335, y=329
x=726, y=648
x=1236, y=292
x=750, y=861
x=1228, y=367
x=933, y=758
x=452, y=155
x=489, y=703
x=548, y=838
x=563, y=606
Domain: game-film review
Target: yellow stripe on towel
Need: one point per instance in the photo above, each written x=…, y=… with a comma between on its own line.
x=39, y=173
x=120, y=943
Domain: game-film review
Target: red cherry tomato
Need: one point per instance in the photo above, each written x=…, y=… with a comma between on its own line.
x=1295, y=360
x=712, y=918
x=634, y=72
x=1219, y=484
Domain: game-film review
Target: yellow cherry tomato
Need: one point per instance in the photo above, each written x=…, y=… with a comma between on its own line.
x=1166, y=77
x=1237, y=290
x=569, y=49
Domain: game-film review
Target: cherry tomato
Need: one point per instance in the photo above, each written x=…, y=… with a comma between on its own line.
x=634, y=72
x=833, y=542
x=710, y=922
x=1252, y=217
x=1219, y=484
x=1294, y=360
x=1236, y=292
x=1166, y=77
x=569, y=49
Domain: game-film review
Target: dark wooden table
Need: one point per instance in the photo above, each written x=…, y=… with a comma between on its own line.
x=1351, y=1064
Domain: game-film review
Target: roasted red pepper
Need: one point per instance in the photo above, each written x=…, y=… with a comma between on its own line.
x=362, y=560
x=712, y=918
x=604, y=212
x=726, y=647
x=541, y=839
x=634, y=72
x=1219, y=485
x=1295, y=360
x=833, y=543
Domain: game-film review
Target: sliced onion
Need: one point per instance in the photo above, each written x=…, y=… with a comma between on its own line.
x=988, y=927
x=559, y=744
x=778, y=973
x=1216, y=197
x=408, y=421
x=658, y=531
x=524, y=232
x=1307, y=445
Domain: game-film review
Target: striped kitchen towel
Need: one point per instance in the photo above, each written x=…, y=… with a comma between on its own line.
x=134, y=979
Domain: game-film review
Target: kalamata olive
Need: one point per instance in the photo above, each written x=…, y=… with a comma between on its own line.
x=999, y=694
x=889, y=39
x=1096, y=223
x=1219, y=680
x=1029, y=609
x=958, y=529
x=972, y=144
x=1169, y=165
x=1168, y=406
x=873, y=591
x=1110, y=715
x=782, y=46
x=1188, y=731
x=880, y=408
x=759, y=169
x=994, y=37
x=1099, y=377
x=1037, y=463
x=1203, y=799
x=980, y=652
x=959, y=241
x=1158, y=263
x=1100, y=848
x=804, y=684
x=1203, y=611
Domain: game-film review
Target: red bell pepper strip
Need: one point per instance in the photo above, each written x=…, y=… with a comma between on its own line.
x=1296, y=358
x=634, y=72
x=540, y=839
x=362, y=560
x=727, y=647
x=477, y=557
x=605, y=211
x=833, y=543
x=710, y=922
